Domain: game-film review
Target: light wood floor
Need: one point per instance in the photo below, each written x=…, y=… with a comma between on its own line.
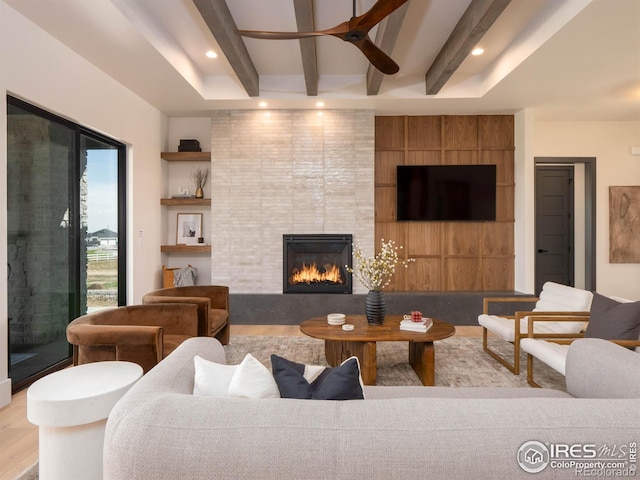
x=19, y=438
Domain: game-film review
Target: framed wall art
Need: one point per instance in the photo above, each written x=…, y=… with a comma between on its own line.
x=624, y=224
x=189, y=228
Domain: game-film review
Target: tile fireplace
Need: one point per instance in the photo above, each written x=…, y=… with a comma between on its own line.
x=316, y=263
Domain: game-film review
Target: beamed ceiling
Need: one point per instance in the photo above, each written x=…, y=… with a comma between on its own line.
x=565, y=59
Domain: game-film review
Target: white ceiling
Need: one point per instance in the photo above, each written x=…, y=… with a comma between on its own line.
x=565, y=59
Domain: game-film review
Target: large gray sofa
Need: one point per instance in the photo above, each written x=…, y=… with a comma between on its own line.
x=160, y=431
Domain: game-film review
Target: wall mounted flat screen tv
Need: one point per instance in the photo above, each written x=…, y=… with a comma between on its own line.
x=446, y=193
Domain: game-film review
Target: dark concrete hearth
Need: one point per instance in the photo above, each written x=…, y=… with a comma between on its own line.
x=458, y=308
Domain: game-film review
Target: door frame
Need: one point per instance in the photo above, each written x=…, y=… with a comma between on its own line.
x=570, y=172
x=589, y=210
x=75, y=243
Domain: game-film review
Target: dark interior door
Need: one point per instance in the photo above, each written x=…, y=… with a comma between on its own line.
x=554, y=225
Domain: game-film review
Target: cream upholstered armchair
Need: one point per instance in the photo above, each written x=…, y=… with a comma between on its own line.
x=610, y=318
x=212, y=302
x=143, y=334
x=568, y=305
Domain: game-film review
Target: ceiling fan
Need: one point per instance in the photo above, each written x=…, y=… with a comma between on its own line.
x=354, y=31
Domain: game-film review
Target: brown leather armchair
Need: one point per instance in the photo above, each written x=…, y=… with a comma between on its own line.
x=212, y=302
x=143, y=334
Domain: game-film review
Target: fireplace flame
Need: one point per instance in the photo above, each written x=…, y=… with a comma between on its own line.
x=311, y=274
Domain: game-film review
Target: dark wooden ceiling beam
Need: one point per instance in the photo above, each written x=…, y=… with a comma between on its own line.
x=386, y=36
x=218, y=18
x=471, y=27
x=305, y=21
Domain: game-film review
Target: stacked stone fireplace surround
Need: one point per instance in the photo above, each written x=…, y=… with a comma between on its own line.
x=299, y=172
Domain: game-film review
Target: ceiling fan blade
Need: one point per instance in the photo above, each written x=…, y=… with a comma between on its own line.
x=353, y=31
x=377, y=57
x=377, y=13
x=278, y=35
x=338, y=30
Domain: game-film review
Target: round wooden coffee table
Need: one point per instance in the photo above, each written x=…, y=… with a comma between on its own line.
x=361, y=342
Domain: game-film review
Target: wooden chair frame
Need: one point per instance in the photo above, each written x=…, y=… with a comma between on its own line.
x=517, y=317
x=567, y=340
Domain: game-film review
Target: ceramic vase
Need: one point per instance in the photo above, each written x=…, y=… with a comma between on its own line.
x=375, y=307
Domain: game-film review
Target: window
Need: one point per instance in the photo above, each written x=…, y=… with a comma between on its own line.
x=65, y=234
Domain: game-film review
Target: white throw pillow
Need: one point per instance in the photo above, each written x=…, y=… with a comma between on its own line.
x=249, y=379
x=212, y=379
x=253, y=380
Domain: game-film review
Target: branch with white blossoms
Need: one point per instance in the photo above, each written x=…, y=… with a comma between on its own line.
x=375, y=273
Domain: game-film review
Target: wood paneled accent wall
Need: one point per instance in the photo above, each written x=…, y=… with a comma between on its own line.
x=449, y=255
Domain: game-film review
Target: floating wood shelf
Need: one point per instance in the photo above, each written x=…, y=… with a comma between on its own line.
x=185, y=248
x=186, y=156
x=186, y=202
x=170, y=202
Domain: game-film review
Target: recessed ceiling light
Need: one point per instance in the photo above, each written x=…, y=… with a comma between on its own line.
x=477, y=51
x=319, y=104
x=211, y=54
x=262, y=104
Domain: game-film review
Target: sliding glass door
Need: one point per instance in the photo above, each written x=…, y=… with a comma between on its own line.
x=64, y=207
x=99, y=224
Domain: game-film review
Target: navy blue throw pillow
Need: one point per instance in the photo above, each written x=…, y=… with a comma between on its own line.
x=296, y=380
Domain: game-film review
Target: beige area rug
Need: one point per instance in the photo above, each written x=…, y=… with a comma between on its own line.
x=30, y=473
x=460, y=361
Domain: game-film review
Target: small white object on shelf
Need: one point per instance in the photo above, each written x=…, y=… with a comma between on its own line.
x=348, y=327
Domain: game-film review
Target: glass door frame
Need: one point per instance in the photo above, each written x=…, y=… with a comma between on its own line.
x=122, y=206
x=75, y=246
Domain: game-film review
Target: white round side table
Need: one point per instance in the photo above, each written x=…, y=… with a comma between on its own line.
x=71, y=408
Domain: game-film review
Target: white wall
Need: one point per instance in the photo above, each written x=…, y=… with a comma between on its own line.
x=183, y=128
x=39, y=69
x=524, y=170
x=610, y=143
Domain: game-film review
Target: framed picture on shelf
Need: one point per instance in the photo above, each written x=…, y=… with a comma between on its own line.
x=189, y=228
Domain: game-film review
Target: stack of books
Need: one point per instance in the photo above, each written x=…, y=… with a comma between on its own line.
x=421, y=326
